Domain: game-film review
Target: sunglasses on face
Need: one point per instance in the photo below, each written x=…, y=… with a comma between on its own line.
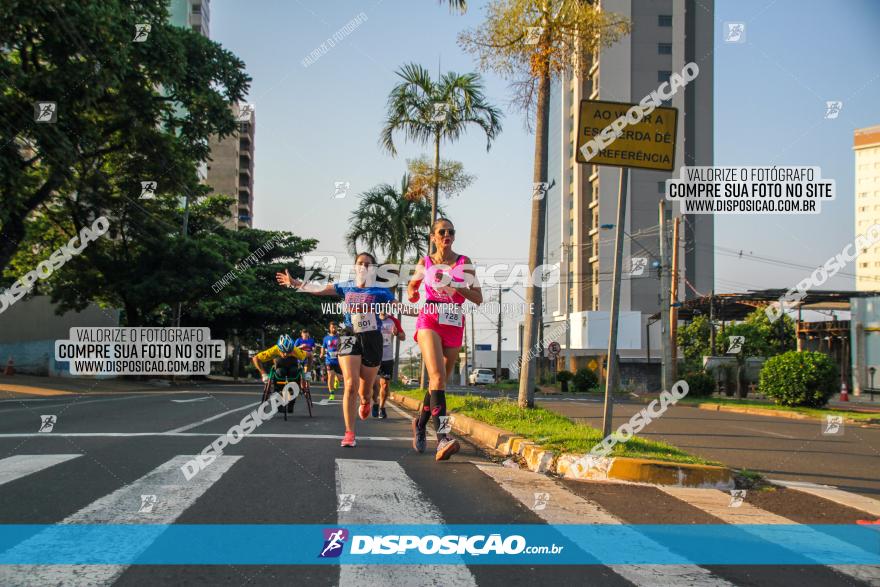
x=446, y=231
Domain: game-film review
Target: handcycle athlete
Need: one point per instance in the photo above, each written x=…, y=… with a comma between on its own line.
x=286, y=368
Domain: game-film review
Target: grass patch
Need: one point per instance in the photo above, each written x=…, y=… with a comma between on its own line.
x=754, y=403
x=554, y=431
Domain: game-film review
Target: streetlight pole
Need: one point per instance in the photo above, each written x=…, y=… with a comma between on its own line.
x=611, y=378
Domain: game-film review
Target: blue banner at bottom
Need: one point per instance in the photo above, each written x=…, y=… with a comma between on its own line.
x=222, y=544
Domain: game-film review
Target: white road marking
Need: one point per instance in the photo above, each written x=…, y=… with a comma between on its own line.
x=768, y=432
x=565, y=507
x=384, y=494
x=716, y=503
x=187, y=401
x=176, y=434
x=394, y=407
x=12, y=468
x=847, y=498
x=215, y=417
x=174, y=495
x=74, y=402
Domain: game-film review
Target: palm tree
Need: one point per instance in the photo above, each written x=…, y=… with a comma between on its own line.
x=427, y=111
x=531, y=42
x=385, y=220
x=460, y=5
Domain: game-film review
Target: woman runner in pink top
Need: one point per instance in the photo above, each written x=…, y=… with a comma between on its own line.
x=449, y=282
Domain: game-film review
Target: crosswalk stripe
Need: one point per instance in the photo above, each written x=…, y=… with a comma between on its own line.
x=174, y=494
x=717, y=503
x=12, y=468
x=849, y=499
x=385, y=494
x=565, y=507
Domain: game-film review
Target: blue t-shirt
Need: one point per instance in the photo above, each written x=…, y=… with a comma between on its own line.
x=354, y=296
x=308, y=342
x=330, y=344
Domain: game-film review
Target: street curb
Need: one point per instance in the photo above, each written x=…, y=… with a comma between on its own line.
x=540, y=460
x=713, y=407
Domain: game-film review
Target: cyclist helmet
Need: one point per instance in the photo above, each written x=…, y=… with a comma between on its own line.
x=285, y=343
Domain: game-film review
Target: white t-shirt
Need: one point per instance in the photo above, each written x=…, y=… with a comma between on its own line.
x=387, y=340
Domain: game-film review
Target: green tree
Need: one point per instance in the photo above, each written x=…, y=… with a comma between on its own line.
x=144, y=110
x=531, y=42
x=427, y=111
x=460, y=5
x=385, y=220
x=693, y=341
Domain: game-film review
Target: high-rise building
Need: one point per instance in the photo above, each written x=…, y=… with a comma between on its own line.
x=231, y=168
x=666, y=35
x=866, y=144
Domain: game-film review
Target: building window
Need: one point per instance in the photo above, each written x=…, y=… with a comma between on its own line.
x=197, y=8
x=661, y=187
x=664, y=48
x=664, y=20
x=663, y=75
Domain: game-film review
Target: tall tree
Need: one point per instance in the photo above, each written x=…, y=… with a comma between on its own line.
x=531, y=42
x=451, y=178
x=385, y=220
x=152, y=103
x=428, y=111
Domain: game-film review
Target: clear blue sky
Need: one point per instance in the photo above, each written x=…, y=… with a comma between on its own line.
x=320, y=124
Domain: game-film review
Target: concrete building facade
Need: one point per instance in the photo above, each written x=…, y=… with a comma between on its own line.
x=666, y=35
x=866, y=146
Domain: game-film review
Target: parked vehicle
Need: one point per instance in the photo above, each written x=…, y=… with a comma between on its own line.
x=481, y=377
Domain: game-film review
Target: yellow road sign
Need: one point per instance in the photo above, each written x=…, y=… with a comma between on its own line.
x=592, y=365
x=647, y=144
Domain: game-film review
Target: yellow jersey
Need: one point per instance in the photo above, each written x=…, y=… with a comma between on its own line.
x=270, y=354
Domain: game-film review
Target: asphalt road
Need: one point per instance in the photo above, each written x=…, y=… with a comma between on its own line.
x=117, y=447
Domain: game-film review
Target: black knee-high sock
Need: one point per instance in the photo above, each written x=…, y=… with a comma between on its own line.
x=425, y=414
x=438, y=408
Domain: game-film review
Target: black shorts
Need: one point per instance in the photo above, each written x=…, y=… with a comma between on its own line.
x=386, y=369
x=334, y=367
x=367, y=345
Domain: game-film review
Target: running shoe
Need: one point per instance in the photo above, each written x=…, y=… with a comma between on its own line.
x=382, y=413
x=348, y=439
x=375, y=410
x=419, y=441
x=446, y=448
x=364, y=411
x=332, y=397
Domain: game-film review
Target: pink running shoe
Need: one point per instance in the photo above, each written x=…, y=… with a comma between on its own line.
x=364, y=411
x=348, y=439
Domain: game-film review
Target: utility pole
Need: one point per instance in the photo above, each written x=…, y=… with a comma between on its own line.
x=665, y=351
x=712, y=324
x=673, y=296
x=615, y=302
x=498, y=356
x=464, y=368
x=473, y=344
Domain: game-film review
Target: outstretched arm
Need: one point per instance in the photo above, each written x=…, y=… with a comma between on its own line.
x=285, y=280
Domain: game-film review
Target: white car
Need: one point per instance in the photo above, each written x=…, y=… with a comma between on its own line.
x=481, y=376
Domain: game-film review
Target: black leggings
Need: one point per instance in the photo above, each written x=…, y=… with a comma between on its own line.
x=433, y=407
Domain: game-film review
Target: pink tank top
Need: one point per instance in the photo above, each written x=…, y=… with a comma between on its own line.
x=433, y=275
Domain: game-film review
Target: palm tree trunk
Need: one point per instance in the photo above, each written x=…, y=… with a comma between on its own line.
x=536, y=248
x=436, y=177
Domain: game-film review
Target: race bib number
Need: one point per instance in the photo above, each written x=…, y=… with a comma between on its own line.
x=346, y=345
x=450, y=318
x=363, y=322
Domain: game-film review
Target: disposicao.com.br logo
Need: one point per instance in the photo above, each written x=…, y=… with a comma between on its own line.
x=449, y=544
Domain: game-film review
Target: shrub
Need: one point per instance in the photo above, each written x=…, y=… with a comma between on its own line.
x=795, y=378
x=564, y=377
x=584, y=380
x=700, y=383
